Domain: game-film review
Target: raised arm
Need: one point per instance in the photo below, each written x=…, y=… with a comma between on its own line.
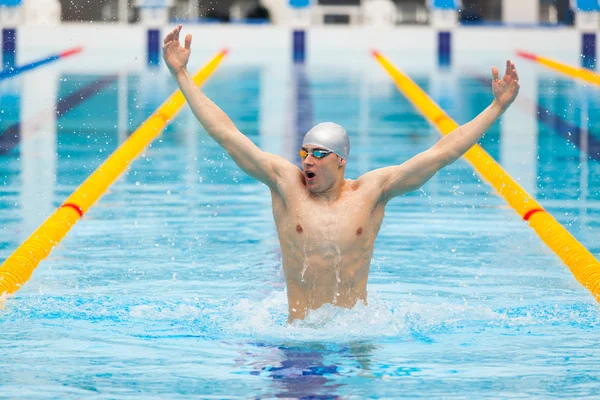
x=258, y=164
x=412, y=174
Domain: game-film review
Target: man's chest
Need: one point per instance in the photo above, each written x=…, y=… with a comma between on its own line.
x=328, y=227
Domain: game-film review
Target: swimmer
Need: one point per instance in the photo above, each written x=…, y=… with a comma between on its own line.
x=327, y=224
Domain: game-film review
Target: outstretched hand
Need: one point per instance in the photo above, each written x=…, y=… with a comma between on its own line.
x=175, y=56
x=505, y=89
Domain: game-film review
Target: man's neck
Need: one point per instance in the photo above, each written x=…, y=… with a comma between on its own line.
x=333, y=193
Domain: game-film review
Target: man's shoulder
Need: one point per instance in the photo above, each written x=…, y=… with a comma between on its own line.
x=290, y=183
x=283, y=165
x=367, y=180
x=366, y=187
x=352, y=184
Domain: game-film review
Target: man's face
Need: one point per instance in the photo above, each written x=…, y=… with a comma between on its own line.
x=320, y=173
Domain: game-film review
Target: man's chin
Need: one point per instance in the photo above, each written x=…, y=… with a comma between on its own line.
x=312, y=187
x=315, y=189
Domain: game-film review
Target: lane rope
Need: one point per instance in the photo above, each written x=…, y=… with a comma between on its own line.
x=584, y=266
x=565, y=69
x=19, y=266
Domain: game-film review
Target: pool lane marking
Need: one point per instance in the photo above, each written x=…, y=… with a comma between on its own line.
x=10, y=137
x=19, y=266
x=529, y=213
x=565, y=69
x=565, y=129
x=74, y=207
x=584, y=266
x=10, y=72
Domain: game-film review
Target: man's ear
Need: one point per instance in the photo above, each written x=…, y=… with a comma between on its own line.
x=341, y=162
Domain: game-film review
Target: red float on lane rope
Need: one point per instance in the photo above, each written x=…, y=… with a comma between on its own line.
x=75, y=207
x=531, y=212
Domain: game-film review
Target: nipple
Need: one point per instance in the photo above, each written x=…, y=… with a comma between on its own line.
x=299, y=228
x=359, y=231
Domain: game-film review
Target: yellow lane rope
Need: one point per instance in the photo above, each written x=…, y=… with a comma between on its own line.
x=582, y=263
x=19, y=266
x=574, y=72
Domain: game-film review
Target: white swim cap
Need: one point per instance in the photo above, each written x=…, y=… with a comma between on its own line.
x=329, y=136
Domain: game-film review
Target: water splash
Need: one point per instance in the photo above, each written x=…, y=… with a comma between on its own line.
x=267, y=319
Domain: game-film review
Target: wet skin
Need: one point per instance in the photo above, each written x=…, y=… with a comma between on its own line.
x=326, y=245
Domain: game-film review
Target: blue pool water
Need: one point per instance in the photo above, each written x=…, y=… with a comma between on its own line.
x=171, y=285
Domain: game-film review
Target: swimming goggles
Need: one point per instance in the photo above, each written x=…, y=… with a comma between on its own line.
x=318, y=154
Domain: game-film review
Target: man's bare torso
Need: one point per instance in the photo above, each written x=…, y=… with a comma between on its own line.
x=326, y=247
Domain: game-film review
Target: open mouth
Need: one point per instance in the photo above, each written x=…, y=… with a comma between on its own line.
x=310, y=174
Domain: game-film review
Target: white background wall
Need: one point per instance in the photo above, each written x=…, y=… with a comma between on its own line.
x=117, y=46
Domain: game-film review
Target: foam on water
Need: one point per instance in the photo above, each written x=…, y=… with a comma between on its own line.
x=406, y=320
x=266, y=319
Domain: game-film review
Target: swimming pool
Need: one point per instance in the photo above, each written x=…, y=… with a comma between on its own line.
x=171, y=285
